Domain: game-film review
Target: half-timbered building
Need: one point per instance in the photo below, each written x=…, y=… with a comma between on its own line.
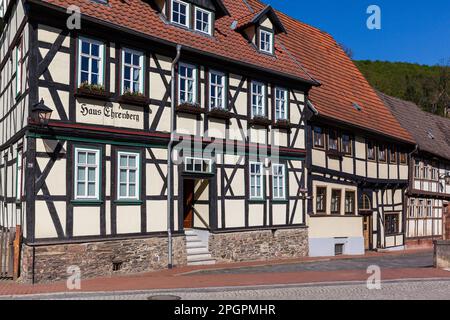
x=357, y=153
x=127, y=81
x=429, y=172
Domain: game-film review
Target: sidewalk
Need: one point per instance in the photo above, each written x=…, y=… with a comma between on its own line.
x=186, y=277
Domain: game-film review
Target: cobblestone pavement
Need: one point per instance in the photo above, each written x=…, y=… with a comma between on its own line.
x=390, y=290
x=418, y=260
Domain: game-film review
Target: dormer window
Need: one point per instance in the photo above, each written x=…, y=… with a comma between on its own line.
x=195, y=15
x=266, y=41
x=180, y=13
x=202, y=21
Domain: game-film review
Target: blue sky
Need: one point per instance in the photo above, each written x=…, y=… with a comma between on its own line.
x=411, y=30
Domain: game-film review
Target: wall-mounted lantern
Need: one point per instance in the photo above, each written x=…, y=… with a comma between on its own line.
x=41, y=113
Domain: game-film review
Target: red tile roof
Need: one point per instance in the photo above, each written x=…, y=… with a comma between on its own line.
x=139, y=16
x=342, y=82
x=310, y=55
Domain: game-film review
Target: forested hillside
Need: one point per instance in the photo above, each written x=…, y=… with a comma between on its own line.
x=427, y=86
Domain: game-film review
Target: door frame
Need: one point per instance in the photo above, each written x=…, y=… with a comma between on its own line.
x=369, y=216
x=212, y=180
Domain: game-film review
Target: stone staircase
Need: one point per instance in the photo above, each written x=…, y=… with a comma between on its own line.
x=197, y=249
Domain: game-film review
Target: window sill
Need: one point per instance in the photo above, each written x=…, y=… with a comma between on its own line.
x=128, y=202
x=134, y=100
x=93, y=94
x=87, y=203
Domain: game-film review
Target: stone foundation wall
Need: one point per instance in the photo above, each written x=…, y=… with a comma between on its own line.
x=259, y=245
x=442, y=254
x=96, y=259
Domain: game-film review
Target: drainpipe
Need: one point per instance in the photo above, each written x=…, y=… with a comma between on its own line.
x=169, y=158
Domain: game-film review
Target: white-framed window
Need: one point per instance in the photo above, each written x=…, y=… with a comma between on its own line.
x=281, y=103
x=187, y=83
x=128, y=175
x=19, y=175
x=203, y=21
x=197, y=165
x=420, y=208
x=266, y=41
x=132, y=71
x=87, y=174
x=217, y=90
x=180, y=13
x=258, y=99
x=90, y=61
x=279, y=181
x=412, y=208
x=429, y=208
x=256, y=181
x=19, y=68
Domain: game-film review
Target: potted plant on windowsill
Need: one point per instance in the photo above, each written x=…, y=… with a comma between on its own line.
x=94, y=91
x=220, y=113
x=262, y=121
x=191, y=108
x=282, y=124
x=134, y=98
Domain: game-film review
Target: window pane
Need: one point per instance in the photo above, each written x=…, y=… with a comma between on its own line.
x=92, y=174
x=81, y=175
x=81, y=191
x=136, y=60
x=132, y=161
x=132, y=190
x=123, y=176
x=91, y=158
x=81, y=158
x=123, y=161
x=91, y=189
x=95, y=50
x=85, y=47
x=84, y=64
x=123, y=190
x=132, y=176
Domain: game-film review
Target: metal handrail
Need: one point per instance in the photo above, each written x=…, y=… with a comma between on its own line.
x=200, y=217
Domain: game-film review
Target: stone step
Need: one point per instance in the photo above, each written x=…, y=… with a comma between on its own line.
x=190, y=232
x=199, y=257
x=194, y=240
x=195, y=245
x=202, y=263
x=197, y=251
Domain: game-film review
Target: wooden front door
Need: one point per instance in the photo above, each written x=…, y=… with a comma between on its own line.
x=188, y=187
x=367, y=231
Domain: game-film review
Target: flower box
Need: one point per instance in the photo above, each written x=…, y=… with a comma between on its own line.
x=93, y=92
x=219, y=113
x=139, y=100
x=282, y=124
x=190, y=108
x=260, y=121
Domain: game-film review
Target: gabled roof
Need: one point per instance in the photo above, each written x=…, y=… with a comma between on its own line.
x=255, y=19
x=431, y=132
x=138, y=16
x=342, y=84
